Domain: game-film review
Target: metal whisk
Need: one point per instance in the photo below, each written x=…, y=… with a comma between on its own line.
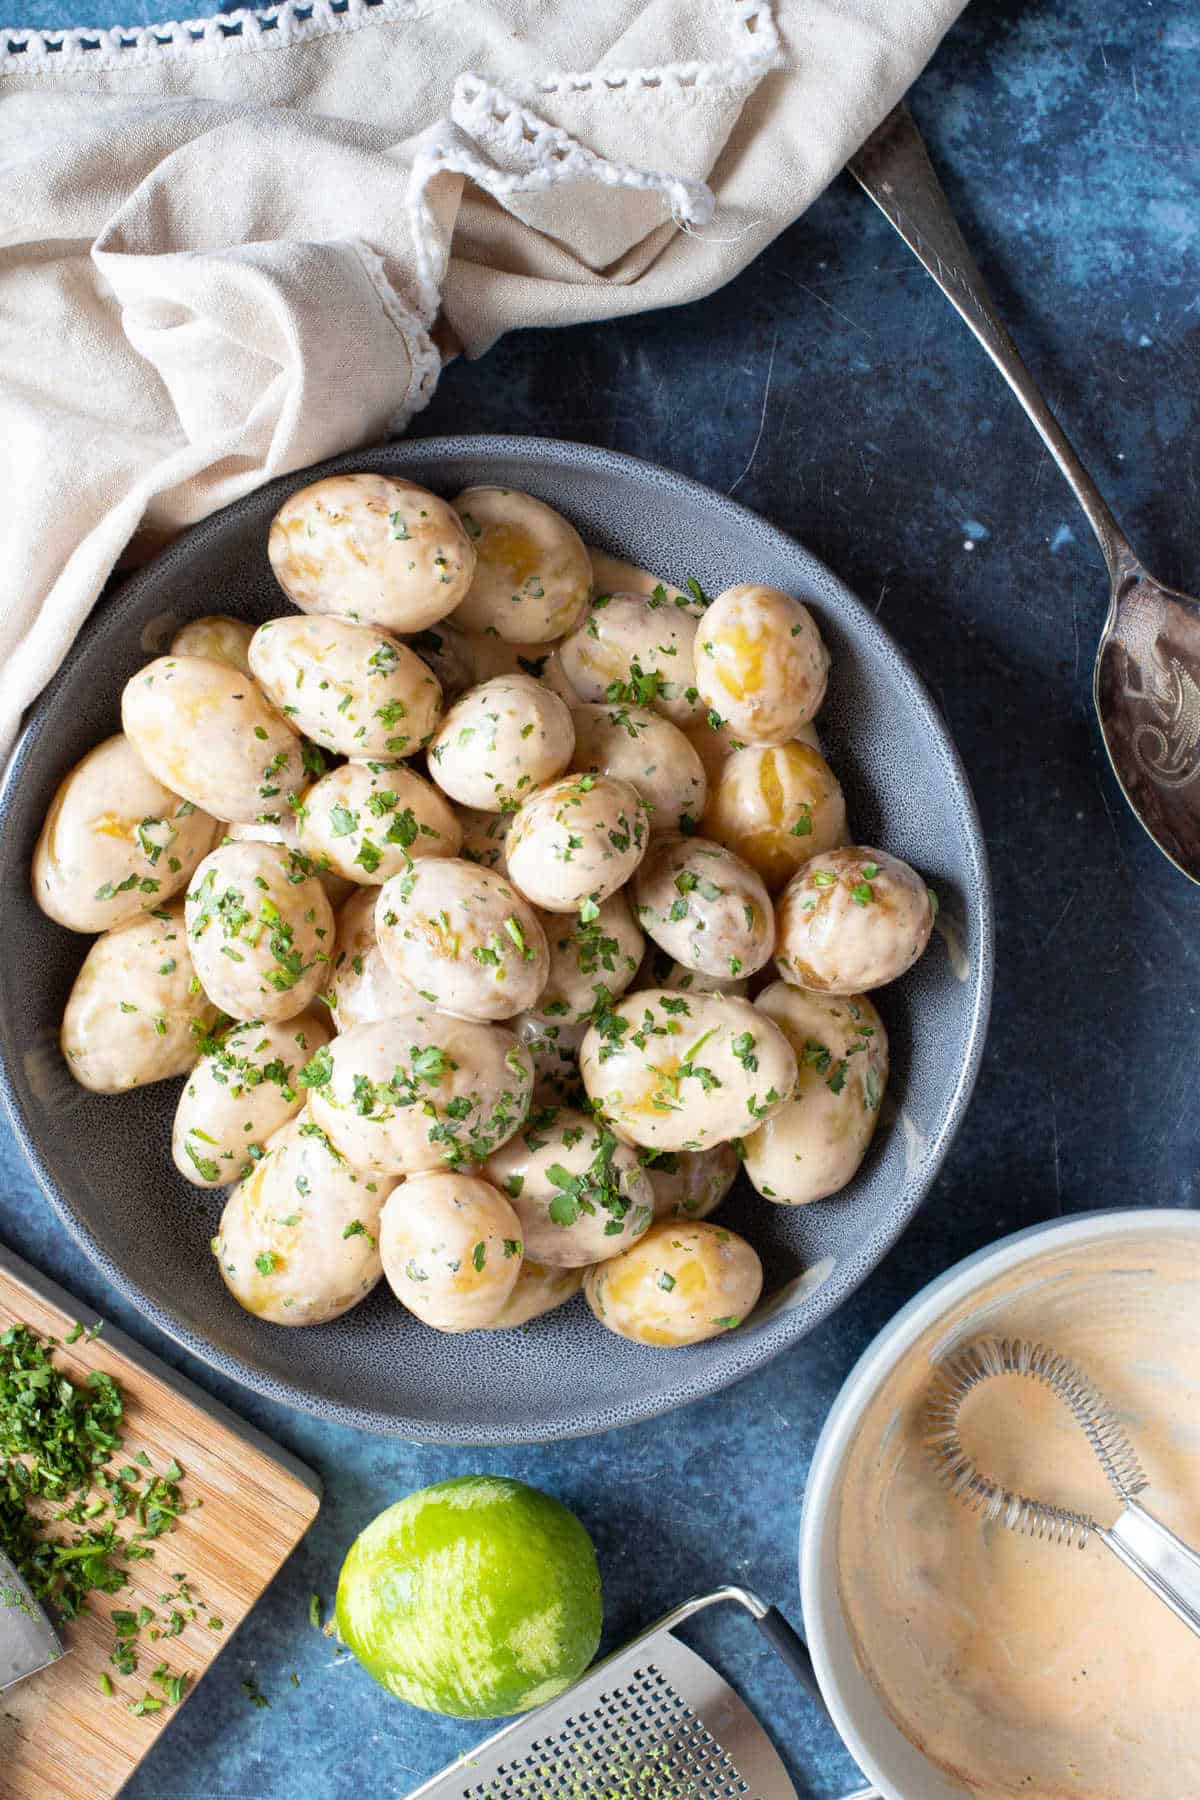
x=1167, y=1565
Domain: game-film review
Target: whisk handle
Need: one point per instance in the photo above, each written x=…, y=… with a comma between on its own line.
x=792, y=1649
x=1168, y=1566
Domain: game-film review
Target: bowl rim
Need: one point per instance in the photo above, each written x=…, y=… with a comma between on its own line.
x=537, y=454
x=878, y=1361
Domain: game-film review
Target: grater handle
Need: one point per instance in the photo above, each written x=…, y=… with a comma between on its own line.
x=791, y=1648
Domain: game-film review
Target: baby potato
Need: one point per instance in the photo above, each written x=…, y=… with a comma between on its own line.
x=115, y=841
x=362, y=988
x=463, y=938
x=813, y=1145
x=204, y=730
x=451, y=1247
x=532, y=575
x=355, y=689
x=579, y=1194
x=690, y=1184
x=761, y=664
x=239, y=1094
x=539, y=1289
x=605, y=952
x=776, y=807
x=285, y=830
x=371, y=547
x=132, y=1016
x=484, y=837
x=420, y=1090
x=851, y=920
x=680, y=1285
x=635, y=649
x=499, y=742
x=218, y=636
x=635, y=745
x=448, y=653
x=260, y=931
x=704, y=906
x=369, y=822
x=493, y=656
x=553, y=1044
x=660, y=970
x=574, y=843
x=298, y=1242
x=714, y=748
x=672, y=1071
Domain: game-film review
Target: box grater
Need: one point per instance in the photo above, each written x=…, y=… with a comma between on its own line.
x=652, y=1722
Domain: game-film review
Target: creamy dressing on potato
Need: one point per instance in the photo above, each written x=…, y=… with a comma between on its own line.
x=578, y=840
x=217, y=636
x=463, y=938
x=776, y=807
x=705, y=907
x=500, y=742
x=690, y=1184
x=452, y=1250
x=761, y=664
x=637, y=650
x=260, y=930
x=354, y=689
x=368, y=822
x=851, y=920
x=362, y=988
x=371, y=547
x=680, y=1285
x=298, y=1242
x=532, y=576
x=539, y=1289
x=604, y=951
x=420, y=1090
x=239, y=1094
x=580, y=1195
x=635, y=745
x=116, y=842
x=814, y=1145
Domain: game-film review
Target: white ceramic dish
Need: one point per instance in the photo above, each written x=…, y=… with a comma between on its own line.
x=893, y=1763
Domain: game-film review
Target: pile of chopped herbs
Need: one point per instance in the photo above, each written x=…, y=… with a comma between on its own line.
x=70, y=1521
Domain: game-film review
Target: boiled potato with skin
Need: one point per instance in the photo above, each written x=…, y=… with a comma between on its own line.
x=676, y=1071
x=715, y=747
x=260, y=931
x=579, y=1194
x=604, y=952
x=577, y=841
x=680, y=1285
x=115, y=842
x=355, y=689
x=463, y=937
x=239, y=1094
x=813, y=1145
x=448, y=653
x=638, y=746
x=298, y=1242
x=638, y=650
x=499, y=742
x=493, y=655
x=371, y=822
x=851, y=920
x=539, y=1289
x=690, y=1184
x=216, y=635
x=371, y=547
x=362, y=988
x=204, y=730
x=484, y=837
x=420, y=1090
x=285, y=830
x=553, y=1044
x=451, y=1247
x=704, y=906
x=761, y=664
x=136, y=1010
x=658, y=969
x=776, y=807
x=532, y=575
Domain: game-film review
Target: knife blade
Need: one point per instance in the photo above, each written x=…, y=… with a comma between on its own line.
x=28, y=1641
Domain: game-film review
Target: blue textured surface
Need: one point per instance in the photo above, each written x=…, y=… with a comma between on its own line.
x=834, y=390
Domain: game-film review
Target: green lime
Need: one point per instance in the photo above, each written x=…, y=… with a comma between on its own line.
x=476, y=1597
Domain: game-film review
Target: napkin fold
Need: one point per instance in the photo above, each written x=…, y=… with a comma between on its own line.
x=224, y=242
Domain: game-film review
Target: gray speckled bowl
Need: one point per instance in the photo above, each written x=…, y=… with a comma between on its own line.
x=105, y=1162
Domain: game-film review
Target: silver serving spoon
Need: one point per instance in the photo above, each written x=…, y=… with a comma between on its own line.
x=1147, y=677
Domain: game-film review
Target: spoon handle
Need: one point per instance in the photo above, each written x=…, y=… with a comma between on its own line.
x=894, y=168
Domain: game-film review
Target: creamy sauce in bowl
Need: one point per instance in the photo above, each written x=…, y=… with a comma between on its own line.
x=1021, y=1668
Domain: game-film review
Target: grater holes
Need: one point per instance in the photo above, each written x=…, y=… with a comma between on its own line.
x=641, y=1740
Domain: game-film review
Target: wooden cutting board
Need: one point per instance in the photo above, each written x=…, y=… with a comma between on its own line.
x=61, y=1737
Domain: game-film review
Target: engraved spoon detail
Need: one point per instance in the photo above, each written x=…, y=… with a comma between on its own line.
x=1146, y=684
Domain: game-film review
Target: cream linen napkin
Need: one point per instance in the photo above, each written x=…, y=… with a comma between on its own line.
x=223, y=242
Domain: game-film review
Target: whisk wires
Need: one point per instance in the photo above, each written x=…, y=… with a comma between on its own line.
x=982, y=1361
